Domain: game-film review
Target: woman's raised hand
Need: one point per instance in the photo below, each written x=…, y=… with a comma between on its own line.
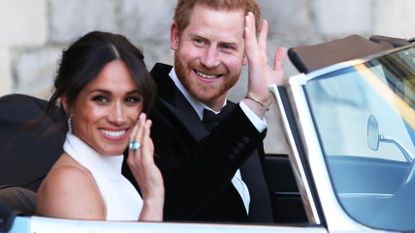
x=146, y=173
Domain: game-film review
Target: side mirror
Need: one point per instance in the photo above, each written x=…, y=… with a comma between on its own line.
x=373, y=136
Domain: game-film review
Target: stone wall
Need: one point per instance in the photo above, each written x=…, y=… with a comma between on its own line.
x=35, y=31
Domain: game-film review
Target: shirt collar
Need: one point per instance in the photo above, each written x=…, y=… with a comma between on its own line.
x=197, y=105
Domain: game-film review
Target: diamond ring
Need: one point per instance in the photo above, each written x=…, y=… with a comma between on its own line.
x=134, y=145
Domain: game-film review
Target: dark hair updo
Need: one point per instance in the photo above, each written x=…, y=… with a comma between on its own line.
x=82, y=61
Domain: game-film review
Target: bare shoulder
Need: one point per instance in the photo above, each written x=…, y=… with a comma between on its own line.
x=69, y=191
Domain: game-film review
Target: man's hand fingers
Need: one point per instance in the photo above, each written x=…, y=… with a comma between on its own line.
x=263, y=34
x=279, y=59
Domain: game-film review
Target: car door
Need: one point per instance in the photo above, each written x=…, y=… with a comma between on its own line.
x=356, y=127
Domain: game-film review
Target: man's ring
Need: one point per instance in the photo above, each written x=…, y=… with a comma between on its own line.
x=134, y=145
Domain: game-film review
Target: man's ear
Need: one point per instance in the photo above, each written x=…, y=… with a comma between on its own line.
x=174, y=36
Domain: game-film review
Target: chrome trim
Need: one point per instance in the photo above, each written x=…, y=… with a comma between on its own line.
x=359, y=195
x=295, y=160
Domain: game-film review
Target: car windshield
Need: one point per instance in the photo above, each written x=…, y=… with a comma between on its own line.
x=365, y=120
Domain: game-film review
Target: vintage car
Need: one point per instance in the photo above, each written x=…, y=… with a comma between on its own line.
x=348, y=119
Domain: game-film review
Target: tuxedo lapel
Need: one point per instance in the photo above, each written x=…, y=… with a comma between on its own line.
x=189, y=120
x=176, y=103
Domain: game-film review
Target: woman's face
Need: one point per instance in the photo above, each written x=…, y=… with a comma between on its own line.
x=107, y=109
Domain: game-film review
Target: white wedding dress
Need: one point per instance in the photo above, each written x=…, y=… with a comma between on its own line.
x=121, y=198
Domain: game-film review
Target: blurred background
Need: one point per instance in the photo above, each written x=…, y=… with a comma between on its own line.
x=34, y=32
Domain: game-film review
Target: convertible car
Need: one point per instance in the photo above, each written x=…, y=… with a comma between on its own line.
x=349, y=123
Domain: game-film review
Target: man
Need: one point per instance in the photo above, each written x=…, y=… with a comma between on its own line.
x=214, y=174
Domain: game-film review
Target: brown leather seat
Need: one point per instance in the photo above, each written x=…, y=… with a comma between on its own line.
x=18, y=199
x=15, y=201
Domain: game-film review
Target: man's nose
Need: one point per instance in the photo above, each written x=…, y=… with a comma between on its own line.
x=210, y=57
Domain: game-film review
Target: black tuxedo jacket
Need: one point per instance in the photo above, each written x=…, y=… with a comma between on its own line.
x=198, y=167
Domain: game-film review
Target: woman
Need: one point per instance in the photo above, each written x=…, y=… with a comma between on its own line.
x=104, y=89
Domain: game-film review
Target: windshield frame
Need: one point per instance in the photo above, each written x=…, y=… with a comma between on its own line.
x=333, y=211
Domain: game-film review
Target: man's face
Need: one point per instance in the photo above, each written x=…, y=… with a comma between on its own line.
x=209, y=53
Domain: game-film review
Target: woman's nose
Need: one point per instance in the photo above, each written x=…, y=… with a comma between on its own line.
x=117, y=114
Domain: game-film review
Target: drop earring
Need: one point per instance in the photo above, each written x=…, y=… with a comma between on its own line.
x=70, y=124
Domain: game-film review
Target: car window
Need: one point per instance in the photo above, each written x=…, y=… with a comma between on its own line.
x=342, y=105
x=365, y=120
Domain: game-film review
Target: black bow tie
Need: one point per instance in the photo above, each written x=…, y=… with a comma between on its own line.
x=211, y=119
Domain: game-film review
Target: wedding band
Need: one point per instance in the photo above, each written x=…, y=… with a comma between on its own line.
x=134, y=145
